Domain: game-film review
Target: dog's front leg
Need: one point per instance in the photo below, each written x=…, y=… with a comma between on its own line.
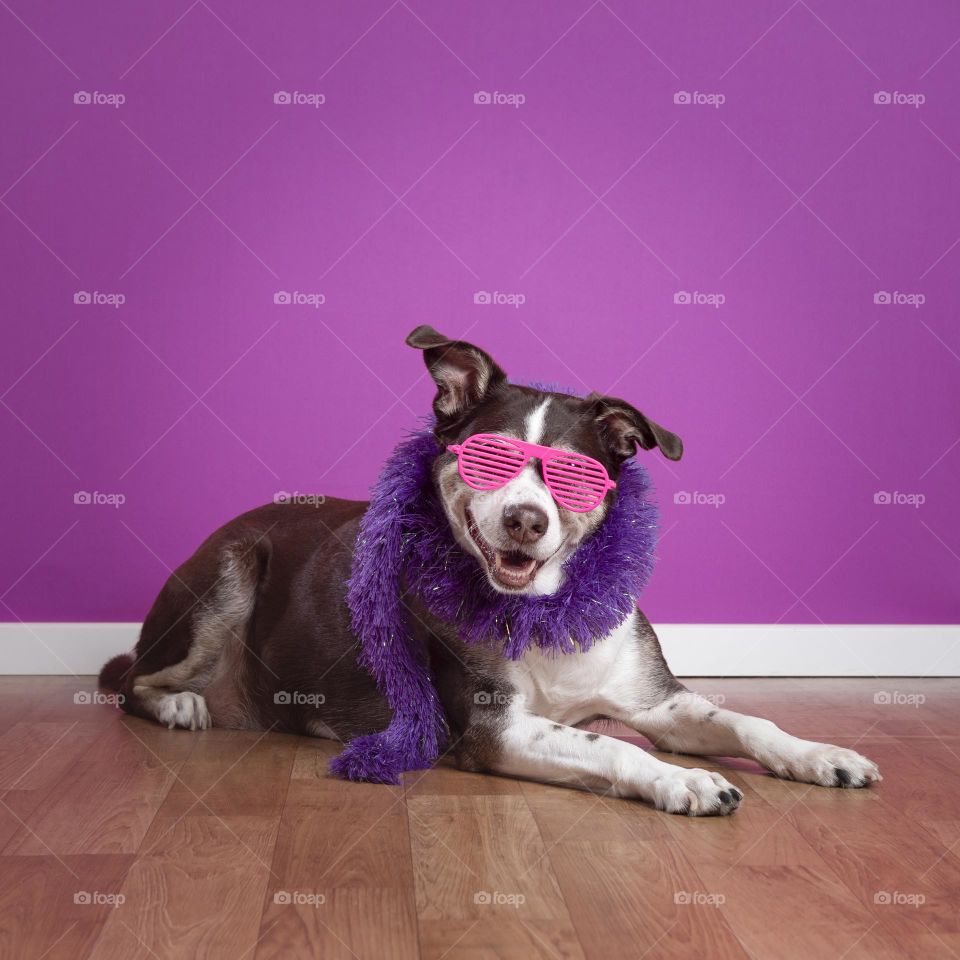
x=536, y=748
x=688, y=723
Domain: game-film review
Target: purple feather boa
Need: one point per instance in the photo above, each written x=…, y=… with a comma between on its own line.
x=405, y=542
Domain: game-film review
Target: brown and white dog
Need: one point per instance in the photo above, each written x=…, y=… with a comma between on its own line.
x=253, y=631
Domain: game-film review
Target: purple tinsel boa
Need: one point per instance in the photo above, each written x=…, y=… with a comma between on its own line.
x=405, y=542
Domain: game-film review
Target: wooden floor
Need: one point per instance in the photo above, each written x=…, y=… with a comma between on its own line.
x=120, y=839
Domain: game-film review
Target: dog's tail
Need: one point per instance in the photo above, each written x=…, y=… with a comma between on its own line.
x=115, y=672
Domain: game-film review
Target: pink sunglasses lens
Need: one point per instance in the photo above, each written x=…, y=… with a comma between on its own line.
x=489, y=462
x=576, y=483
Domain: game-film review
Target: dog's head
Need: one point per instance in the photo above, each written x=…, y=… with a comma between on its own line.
x=518, y=533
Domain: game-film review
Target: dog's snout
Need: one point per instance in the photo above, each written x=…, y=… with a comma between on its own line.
x=525, y=522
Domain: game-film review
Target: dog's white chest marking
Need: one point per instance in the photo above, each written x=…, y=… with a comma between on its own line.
x=573, y=687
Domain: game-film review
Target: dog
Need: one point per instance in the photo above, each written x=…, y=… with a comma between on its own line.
x=253, y=631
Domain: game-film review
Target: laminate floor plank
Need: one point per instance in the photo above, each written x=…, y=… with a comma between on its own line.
x=198, y=893
x=55, y=907
x=122, y=839
x=342, y=879
x=485, y=884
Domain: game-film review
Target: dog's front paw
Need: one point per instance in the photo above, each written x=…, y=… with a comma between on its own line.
x=695, y=793
x=829, y=766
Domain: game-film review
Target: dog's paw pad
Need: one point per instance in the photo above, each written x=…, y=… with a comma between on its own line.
x=695, y=793
x=187, y=710
x=830, y=766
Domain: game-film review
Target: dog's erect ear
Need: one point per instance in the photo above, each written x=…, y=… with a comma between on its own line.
x=464, y=374
x=623, y=426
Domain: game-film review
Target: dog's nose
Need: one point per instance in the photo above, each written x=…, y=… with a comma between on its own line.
x=525, y=522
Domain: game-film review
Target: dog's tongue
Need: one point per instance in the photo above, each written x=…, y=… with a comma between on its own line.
x=514, y=569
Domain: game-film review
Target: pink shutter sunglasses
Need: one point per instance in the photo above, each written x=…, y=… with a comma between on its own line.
x=488, y=461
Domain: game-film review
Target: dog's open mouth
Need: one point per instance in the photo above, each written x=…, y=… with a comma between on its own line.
x=512, y=569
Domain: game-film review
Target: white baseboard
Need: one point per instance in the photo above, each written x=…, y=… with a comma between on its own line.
x=692, y=649
x=62, y=648
x=811, y=650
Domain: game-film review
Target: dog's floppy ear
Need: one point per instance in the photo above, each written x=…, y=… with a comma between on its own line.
x=464, y=374
x=623, y=426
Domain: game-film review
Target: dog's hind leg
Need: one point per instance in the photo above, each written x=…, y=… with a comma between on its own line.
x=194, y=636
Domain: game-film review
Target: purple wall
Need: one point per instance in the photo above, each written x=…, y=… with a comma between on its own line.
x=599, y=199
